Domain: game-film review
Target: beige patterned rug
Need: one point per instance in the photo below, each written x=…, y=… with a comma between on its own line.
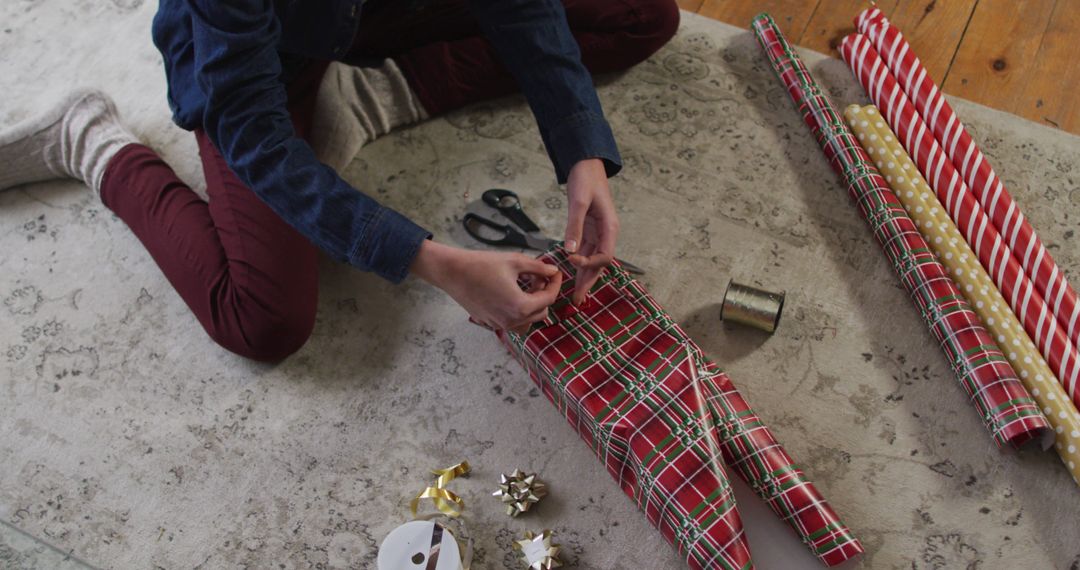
x=130, y=440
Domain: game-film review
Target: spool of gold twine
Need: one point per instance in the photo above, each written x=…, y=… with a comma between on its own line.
x=752, y=307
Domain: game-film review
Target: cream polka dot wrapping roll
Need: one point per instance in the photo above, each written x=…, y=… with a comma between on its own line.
x=963, y=265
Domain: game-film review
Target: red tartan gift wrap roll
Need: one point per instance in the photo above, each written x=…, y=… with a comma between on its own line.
x=991, y=248
x=618, y=368
x=1003, y=402
x=977, y=172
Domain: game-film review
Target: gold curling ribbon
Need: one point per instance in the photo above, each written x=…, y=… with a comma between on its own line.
x=446, y=501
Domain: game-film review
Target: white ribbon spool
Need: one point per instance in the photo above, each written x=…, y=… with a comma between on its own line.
x=420, y=545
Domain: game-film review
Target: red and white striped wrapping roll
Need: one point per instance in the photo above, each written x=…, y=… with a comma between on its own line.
x=994, y=254
x=867, y=18
x=975, y=169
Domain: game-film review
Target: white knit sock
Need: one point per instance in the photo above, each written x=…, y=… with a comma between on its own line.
x=356, y=105
x=74, y=139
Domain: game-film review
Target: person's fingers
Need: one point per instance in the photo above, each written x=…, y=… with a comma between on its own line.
x=482, y=323
x=583, y=278
x=541, y=297
x=527, y=281
x=609, y=233
x=603, y=247
x=533, y=266
x=597, y=261
x=586, y=278
x=586, y=251
x=549, y=290
x=551, y=284
x=575, y=222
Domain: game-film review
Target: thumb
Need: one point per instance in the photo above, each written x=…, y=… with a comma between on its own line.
x=575, y=224
x=526, y=264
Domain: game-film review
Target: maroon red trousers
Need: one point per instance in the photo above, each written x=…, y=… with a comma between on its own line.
x=248, y=277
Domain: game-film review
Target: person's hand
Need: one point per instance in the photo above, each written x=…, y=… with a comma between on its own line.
x=485, y=284
x=592, y=227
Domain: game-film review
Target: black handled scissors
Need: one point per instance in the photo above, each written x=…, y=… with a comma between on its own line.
x=507, y=203
x=502, y=234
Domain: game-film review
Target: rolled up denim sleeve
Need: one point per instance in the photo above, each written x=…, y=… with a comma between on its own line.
x=238, y=68
x=532, y=39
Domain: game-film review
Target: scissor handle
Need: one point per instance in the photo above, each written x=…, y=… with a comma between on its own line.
x=509, y=205
x=510, y=236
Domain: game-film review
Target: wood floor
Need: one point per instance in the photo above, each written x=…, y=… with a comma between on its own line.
x=1015, y=55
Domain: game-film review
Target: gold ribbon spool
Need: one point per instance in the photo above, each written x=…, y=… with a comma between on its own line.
x=752, y=307
x=446, y=501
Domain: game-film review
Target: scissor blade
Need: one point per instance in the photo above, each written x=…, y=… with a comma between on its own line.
x=539, y=243
x=630, y=267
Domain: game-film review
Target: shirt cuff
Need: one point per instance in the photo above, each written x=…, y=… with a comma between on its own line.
x=580, y=136
x=389, y=245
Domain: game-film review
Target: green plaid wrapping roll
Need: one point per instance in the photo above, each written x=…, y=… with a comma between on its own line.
x=1003, y=402
x=619, y=369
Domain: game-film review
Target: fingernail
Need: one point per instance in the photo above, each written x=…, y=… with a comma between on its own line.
x=571, y=246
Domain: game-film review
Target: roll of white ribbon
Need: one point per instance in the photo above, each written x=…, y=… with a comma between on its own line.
x=420, y=545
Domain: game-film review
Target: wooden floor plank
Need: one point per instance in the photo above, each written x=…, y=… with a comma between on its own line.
x=833, y=20
x=690, y=5
x=934, y=29
x=790, y=15
x=1015, y=56
x=1054, y=77
x=998, y=52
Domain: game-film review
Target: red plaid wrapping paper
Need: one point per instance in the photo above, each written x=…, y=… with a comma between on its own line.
x=979, y=175
x=618, y=369
x=1003, y=402
x=993, y=253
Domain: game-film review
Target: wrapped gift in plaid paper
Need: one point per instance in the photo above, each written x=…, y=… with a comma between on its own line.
x=619, y=369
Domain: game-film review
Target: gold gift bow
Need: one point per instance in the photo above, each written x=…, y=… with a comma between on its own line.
x=550, y=557
x=446, y=501
x=963, y=264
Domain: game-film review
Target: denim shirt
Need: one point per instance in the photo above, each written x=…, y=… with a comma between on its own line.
x=226, y=62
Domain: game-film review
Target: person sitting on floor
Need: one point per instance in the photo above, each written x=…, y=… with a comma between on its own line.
x=245, y=77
